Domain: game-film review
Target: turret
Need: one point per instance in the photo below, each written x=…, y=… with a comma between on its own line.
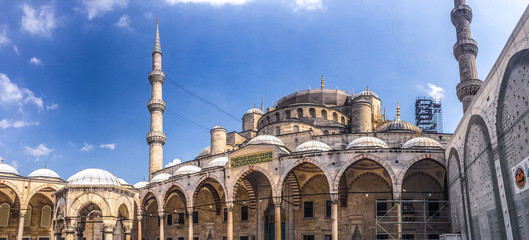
x=218, y=140
x=156, y=137
x=465, y=52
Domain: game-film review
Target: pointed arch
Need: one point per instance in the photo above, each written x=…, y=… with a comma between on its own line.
x=89, y=198
x=433, y=157
x=383, y=163
x=304, y=160
x=214, y=193
x=231, y=191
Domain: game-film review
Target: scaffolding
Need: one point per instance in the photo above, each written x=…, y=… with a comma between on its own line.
x=429, y=115
x=411, y=219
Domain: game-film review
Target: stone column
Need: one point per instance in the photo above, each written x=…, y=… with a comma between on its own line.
x=21, y=224
x=140, y=218
x=229, y=207
x=334, y=215
x=127, y=228
x=70, y=228
x=399, y=220
x=190, y=234
x=108, y=232
x=57, y=231
x=161, y=214
x=79, y=232
x=277, y=204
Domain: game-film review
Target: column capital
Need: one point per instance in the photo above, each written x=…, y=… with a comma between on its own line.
x=229, y=206
x=277, y=201
x=161, y=214
x=190, y=210
x=108, y=228
x=334, y=198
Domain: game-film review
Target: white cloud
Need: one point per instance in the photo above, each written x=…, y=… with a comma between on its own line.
x=110, y=146
x=6, y=123
x=175, y=161
x=87, y=147
x=14, y=164
x=4, y=40
x=35, y=61
x=309, y=4
x=433, y=91
x=210, y=2
x=124, y=22
x=15, y=48
x=95, y=8
x=11, y=93
x=39, y=151
x=148, y=15
x=39, y=22
x=53, y=106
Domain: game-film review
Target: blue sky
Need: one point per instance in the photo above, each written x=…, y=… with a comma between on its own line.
x=73, y=74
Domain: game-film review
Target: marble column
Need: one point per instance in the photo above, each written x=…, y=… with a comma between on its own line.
x=334, y=216
x=108, y=232
x=190, y=234
x=277, y=204
x=229, y=207
x=140, y=219
x=21, y=224
x=161, y=214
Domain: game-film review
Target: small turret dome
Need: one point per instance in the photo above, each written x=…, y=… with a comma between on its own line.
x=44, y=173
x=218, y=162
x=420, y=142
x=313, y=146
x=266, y=139
x=188, y=169
x=140, y=184
x=6, y=169
x=93, y=176
x=399, y=126
x=254, y=110
x=205, y=151
x=366, y=93
x=367, y=142
x=161, y=177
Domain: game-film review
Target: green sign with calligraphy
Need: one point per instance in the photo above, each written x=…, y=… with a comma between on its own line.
x=251, y=159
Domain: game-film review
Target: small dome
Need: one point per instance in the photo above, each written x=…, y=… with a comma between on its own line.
x=254, y=110
x=188, y=169
x=44, y=173
x=140, y=184
x=399, y=126
x=122, y=181
x=366, y=93
x=205, y=151
x=218, y=127
x=266, y=139
x=420, y=142
x=6, y=169
x=93, y=176
x=218, y=162
x=161, y=177
x=313, y=146
x=366, y=142
x=175, y=161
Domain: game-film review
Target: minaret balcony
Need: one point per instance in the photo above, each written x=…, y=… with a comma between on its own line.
x=156, y=105
x=468, y=88
x=156, y=75
x=461, y=12
x=156, y=137
x=464, y=46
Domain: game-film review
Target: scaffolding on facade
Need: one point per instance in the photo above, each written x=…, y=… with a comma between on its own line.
x=429, y=115
x=411, y=219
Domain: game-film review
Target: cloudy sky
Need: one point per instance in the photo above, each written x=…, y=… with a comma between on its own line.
x=73, y=74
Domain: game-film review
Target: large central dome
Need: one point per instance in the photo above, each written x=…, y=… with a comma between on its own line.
x=323, y=97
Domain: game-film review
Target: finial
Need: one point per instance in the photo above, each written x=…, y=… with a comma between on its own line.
x=398, y=111
x=156, y=20
x=254, y=106
x=367, y=88
x=262, y=103
x=44, y=163
x=322, y=82
x=144, y=178
x=2, y=159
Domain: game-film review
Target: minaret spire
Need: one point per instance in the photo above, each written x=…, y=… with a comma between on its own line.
x=398, y=111
x=262, y=103
x=156, y=137
x=322, y=82
x=465, y=52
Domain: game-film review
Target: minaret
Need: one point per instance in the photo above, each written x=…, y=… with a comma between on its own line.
x=156, y=137
x=465, y=52
x=322, y=82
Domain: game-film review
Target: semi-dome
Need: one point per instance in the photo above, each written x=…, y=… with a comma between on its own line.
x=367, y=142
x=399, y=126
x=93, y=176
x=420, y=142
x=44, y=173
x=161, y=177
x=266, y=139
x=140, y=184
x=188, y=169
x=366, y=93
x=218, y=162
x=205, y=151
x=6, y=169
x=313, y=146
x=254, y=110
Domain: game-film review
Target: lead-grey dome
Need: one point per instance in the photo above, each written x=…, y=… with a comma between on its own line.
x=266, y=139
x=188, y=169
x=6, y=169
x=367, y=93
x=161, y=177
x=254, y=110
x=313, y=146
x=205, y=151
x=367, y=142
x=44, y=173
x=420, y=142
x=218, y=162
x=94, y=176
x=140, y=184
x=399, y=126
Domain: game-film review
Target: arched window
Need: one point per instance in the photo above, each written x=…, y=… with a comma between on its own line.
x=4, y=214
x=278, y=131
x=296, y=128
x=27, y=217
x=343, y=120
x=45, y=216
x=300, y=112
x=335, y=117
x=324, y=114
x=276, y=117
x=325, y=132
x=312, y=113
x=287, y=114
